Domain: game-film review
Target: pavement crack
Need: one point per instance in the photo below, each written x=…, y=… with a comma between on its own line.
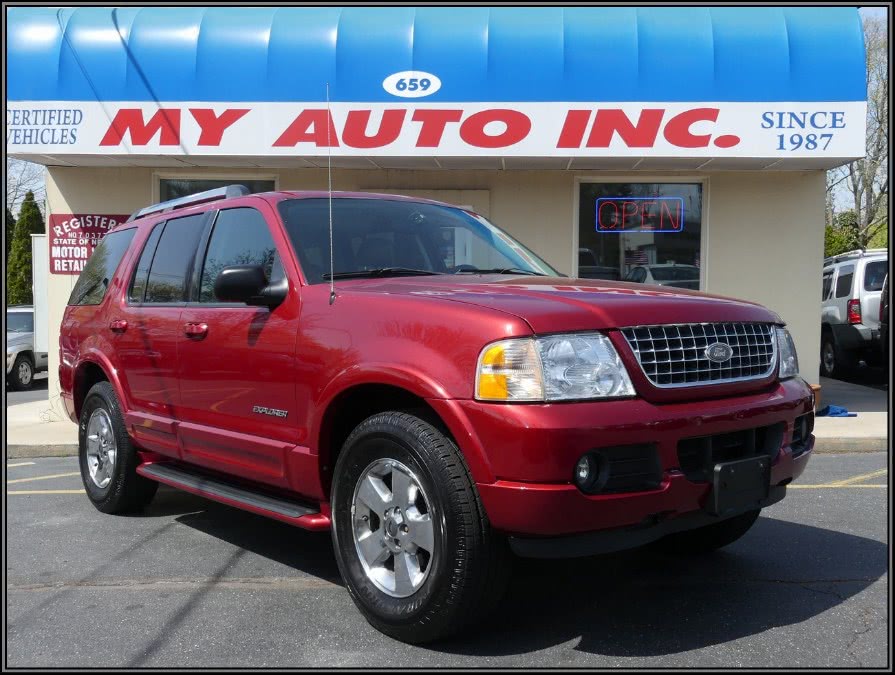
x=253, y=583
x=869, y=624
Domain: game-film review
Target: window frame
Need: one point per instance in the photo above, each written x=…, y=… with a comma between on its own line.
x=867, y=263
x=232, y=178
x=124, y=257
x=851, y=286
x=190, y=275
x=160, y=226
x=700, y=178
x=830, y=273
x=204, y=244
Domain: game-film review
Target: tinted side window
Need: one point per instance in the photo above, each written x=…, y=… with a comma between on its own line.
x=843, y=281
x=874, y=274
x=240, y=237
x=100, y=268
x=827, y=284
x=141, y=274
x=173, y=260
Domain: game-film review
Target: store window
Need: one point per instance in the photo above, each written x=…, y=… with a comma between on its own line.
x=641, y=232
x=173, y=188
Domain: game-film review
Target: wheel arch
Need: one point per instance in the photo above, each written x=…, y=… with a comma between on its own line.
x=90, y=370
x=358, y=401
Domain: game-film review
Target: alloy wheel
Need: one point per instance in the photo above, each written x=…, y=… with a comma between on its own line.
x=393, y=528
x=102, y=449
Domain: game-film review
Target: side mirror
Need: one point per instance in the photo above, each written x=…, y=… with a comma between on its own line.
x=248, y=284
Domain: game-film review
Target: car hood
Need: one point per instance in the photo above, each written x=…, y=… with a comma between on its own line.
x=555, y=304
x=16, y=339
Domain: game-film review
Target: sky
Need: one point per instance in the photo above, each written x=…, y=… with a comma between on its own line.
x=877, y=12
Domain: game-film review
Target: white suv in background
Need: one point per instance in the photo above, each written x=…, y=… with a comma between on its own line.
x=852, y=283
x=21, y=359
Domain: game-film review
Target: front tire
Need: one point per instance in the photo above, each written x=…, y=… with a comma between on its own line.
x=411, y=538
x=21, y=377
x=710, y=537
x=107, y=457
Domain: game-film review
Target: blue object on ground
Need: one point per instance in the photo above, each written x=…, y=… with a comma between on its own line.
x=834, y=411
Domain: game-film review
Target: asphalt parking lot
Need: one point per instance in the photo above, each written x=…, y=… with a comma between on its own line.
x=190, y=583
x=38, y=392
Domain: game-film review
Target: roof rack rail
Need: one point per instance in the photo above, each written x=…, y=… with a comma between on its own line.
x=857, y=253
x=190, y=200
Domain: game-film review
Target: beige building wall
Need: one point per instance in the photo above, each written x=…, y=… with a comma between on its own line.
x=762, y=231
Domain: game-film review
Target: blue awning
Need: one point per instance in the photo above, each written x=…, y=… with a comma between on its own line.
x=671, y=54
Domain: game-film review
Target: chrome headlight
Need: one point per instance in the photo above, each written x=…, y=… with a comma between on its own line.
x=786, y=350
x=551, y=368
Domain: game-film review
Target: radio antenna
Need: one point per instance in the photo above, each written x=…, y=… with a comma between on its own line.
x=329, y=171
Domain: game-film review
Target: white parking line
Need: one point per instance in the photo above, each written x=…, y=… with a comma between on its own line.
x=45, y=492
x=10, y=466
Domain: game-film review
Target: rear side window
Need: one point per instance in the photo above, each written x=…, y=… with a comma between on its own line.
x=828, y=284
x=141, y=275
x=172, y=263
x=874, y=275
x=240, y=237
x=843, y=281
x=91, y=286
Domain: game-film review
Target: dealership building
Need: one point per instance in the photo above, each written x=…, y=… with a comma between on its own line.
x=683, y=145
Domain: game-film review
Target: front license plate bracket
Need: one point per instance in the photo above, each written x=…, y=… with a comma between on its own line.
x=739, y=486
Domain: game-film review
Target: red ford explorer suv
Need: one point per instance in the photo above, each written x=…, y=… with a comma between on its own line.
x=404, y=374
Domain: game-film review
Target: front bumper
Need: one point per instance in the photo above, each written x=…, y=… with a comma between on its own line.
x=619, y=539
x=533, y=449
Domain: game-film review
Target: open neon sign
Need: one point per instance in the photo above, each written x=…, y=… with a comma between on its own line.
x=640, y=214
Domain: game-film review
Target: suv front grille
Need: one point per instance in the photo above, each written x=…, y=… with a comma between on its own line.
x=675, y=355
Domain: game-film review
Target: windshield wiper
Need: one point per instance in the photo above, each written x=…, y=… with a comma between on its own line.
x=503, y=270
x=379, y=272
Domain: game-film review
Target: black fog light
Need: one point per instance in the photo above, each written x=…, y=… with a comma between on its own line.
x=590, y=472
x=584, y=470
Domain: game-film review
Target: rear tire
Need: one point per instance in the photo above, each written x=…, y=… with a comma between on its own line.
x=21, y=377
x=451, y=586
x=833, y=361
x=710, y=537
x=107, y=457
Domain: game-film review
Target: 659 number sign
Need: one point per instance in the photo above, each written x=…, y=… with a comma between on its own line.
x=411, y=84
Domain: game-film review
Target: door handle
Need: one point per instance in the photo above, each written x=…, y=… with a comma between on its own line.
x=118, y=326
x=196, y=331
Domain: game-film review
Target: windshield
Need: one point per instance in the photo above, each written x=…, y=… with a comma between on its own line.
x=680, y=273
x=19, y=322
x=400, y=237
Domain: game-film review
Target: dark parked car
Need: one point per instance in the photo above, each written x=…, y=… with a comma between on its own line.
x=432, y=414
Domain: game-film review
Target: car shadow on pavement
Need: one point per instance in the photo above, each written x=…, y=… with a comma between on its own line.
x=637, y=603
x=308, y=552
x=646, y=603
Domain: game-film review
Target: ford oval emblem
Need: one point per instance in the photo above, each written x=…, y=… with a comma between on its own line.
x=718, y=352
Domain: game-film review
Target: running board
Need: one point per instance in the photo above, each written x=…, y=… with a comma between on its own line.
x=219, y=490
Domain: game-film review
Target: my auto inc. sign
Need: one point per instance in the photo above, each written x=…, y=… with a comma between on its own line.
x=825, y=129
